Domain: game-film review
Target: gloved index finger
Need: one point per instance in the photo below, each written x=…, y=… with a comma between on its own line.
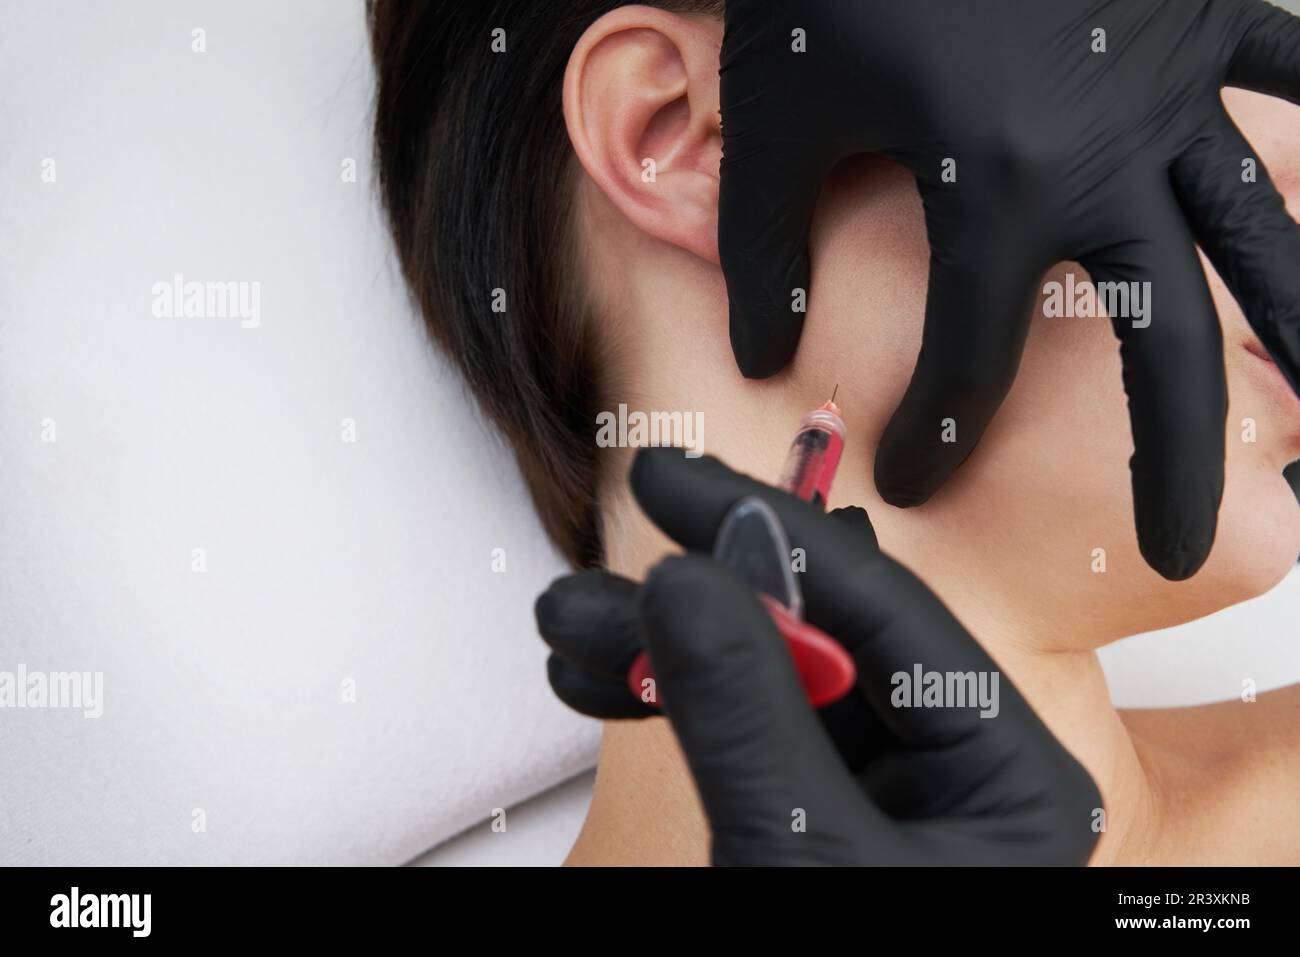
x=690, y=498
x=886, y=618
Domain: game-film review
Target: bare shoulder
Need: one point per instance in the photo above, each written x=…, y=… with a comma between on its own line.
x=1226, y=776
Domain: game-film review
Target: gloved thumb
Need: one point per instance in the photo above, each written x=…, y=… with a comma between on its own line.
x=773, y=786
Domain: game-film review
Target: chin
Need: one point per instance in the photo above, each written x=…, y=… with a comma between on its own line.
x=1255, y=547
x=1258, y=538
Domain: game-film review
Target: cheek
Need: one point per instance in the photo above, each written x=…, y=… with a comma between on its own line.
x=1058, y=455
x=1050, y=483
x=1066, y=424
x=1259, y=522
x=870, y=268
x=1259, y=530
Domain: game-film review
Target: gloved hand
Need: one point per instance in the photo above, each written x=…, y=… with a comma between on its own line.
x=1122, y=160
x=869, y=782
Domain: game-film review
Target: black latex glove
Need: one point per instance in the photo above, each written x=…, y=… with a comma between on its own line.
x=877, y=784
x=1122, y=160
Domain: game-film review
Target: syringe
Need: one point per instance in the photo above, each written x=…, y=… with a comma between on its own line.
x=815, y=455
x=753, y=544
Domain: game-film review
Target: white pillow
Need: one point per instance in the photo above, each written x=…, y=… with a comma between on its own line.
x=326, y=561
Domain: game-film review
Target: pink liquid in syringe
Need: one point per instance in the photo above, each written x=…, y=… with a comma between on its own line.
x=815, y=455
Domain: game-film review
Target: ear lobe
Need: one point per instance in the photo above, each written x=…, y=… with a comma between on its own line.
x=642, y=109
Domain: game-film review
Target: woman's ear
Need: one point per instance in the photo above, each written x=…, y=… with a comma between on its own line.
x=641, y=105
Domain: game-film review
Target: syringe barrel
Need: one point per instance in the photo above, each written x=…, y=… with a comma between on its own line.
x=814, y=456
x=825, y=668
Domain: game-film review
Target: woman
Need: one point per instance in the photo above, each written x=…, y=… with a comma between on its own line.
x=552, y=183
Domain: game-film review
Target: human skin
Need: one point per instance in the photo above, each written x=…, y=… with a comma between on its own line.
x=1010, y=542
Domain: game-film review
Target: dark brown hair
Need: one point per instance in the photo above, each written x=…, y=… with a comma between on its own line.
x=475, y=169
